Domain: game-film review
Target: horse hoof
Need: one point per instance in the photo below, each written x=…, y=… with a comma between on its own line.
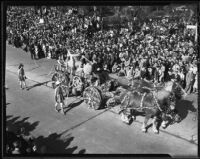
x=163, y=125
x=144, y=130
x=127, y=123
x=155, y=131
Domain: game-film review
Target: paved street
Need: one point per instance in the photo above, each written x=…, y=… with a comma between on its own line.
x=84, y=130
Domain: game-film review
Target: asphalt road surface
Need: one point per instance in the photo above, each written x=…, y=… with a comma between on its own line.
x=82, y=130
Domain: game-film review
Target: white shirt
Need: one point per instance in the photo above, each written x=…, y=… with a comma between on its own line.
x=87, y=69
x=182, y=76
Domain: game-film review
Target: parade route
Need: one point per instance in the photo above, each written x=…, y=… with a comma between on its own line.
x=83, y=130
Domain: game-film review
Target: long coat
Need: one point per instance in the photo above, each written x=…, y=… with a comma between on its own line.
x=59, y=97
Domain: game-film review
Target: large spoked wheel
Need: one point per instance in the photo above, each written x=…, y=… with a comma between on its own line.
x=92, y=96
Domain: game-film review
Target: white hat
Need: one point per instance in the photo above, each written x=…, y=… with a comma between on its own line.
x=57, y=82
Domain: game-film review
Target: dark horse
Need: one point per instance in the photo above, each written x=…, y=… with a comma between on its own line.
x=152, y=102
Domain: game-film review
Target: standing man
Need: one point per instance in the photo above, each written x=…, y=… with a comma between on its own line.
x=32, y=51
x=189, y=81
x=21, y=76
x=59, y=97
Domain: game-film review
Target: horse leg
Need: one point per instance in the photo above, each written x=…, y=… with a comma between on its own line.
x=56, y=106
x=155, y=130
x=133, y=114
x=144, y=125
x=62, y=110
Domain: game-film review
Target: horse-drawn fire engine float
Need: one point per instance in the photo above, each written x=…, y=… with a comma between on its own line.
x=153, y=101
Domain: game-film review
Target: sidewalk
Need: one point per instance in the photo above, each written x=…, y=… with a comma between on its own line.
x=39, y=72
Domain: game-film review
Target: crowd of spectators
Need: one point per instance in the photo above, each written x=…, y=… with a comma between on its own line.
x=159, y=51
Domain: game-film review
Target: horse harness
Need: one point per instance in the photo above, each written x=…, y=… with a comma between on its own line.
x=156, y=101
x=157, y=105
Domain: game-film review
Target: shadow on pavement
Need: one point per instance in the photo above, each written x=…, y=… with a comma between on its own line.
x=72, y=105
x=184, y=107
x=54, y=145
x=38, y=84
x=15, y=125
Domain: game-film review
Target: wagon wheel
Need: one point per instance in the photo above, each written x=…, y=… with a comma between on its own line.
x=77, y=82
x=93, y=97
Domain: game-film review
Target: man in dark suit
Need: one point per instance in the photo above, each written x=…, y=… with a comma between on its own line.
x=32, y=51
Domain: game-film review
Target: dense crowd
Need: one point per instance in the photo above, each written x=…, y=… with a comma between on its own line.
x=159, y=51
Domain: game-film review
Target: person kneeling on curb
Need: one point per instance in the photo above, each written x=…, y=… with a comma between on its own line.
x=59, y=97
